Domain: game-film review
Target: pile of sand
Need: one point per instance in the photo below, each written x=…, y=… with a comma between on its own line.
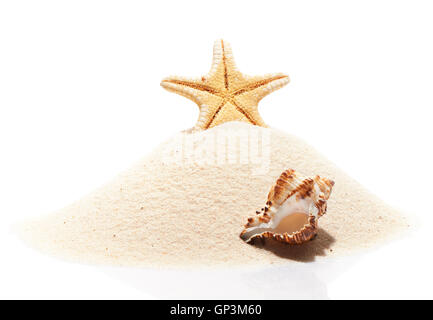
x=187, y=202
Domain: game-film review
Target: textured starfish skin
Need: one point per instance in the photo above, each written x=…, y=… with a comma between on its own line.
x=225, y=94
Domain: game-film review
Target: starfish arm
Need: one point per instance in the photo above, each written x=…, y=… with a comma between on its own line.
x=249, y=109
x=181, y=90
x=192, y=89
x=187, y=87
x=223, y=73
x=259, y=87
x=207, y=98
x=207, y=115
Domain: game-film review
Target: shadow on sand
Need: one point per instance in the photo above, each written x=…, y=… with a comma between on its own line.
x=307, y=252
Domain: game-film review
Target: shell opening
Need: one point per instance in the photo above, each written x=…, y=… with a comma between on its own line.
x=292, y=223
x=289, y=223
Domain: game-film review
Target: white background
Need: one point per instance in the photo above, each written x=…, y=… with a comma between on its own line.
x=80, y=101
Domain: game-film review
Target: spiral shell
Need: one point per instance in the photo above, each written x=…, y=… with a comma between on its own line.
x=294, y=205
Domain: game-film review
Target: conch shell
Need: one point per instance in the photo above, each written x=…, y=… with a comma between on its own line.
x=294, y=205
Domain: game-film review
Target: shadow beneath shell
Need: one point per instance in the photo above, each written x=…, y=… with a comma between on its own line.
x=306, y=252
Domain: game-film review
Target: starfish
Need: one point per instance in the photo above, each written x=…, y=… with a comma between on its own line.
x=225, y=94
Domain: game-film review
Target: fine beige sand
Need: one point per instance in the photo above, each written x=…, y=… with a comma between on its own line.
x=186, y=203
